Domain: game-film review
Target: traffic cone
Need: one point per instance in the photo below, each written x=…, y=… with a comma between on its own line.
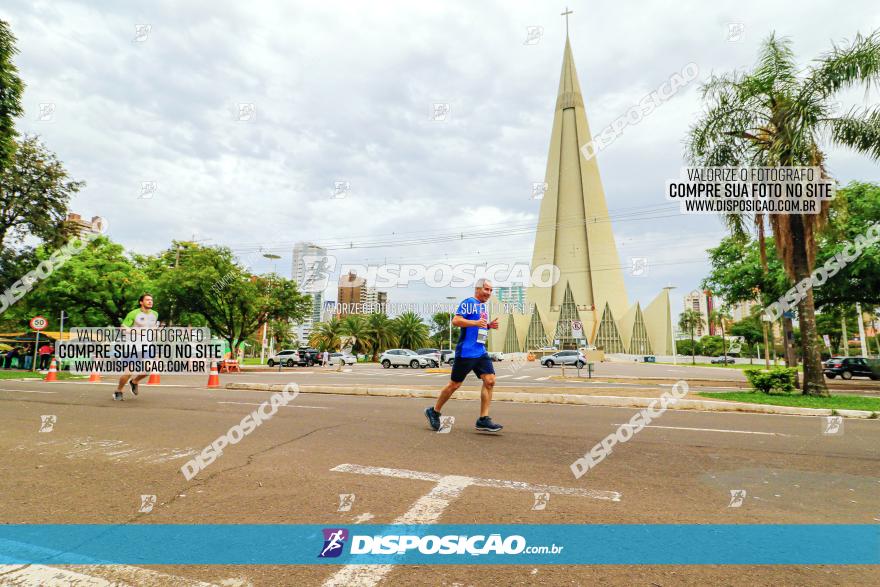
x=95, y=377
x=214, y=377
x=154, y=379
x=52, y=375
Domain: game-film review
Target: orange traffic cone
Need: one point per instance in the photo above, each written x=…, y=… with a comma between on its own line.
x=95, y=377
x=214, y=377
x=52, y=375
x=154, y=379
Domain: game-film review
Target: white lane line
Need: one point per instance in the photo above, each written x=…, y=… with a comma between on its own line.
x=542, y=378
x=27, y=391
x=712, y=430
x=521, y=377
x=428, y=509
x=287, y=406
x=503, y=376
x=496, y=483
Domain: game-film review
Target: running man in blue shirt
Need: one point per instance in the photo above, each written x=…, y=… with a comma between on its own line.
x=472, y=318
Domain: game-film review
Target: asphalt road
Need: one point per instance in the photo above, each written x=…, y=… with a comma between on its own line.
x=101, y=456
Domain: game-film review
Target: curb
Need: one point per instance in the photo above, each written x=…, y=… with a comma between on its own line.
x=565, y=399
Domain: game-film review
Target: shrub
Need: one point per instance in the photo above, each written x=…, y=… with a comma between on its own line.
x=777, y=379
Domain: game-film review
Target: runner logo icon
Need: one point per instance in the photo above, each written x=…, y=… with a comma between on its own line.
x=334, y=541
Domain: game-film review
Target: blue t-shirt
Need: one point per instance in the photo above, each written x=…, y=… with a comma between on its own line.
x=468, y=346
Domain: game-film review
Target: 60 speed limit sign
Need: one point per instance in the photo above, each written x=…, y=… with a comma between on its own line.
x=39, y=323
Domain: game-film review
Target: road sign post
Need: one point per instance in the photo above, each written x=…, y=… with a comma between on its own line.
x=37, y=324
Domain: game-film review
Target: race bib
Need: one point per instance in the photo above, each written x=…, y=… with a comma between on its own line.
x=482, y=335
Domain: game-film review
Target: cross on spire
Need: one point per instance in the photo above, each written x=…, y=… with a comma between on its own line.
x=565, y=14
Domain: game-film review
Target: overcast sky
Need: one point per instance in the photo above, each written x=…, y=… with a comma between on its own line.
x=344, y=91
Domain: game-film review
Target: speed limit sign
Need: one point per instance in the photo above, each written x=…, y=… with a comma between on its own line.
x=38, y=323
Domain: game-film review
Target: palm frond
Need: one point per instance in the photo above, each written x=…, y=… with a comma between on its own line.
x=859, y=130
x=843, y=67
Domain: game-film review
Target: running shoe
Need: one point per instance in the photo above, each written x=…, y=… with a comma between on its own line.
x=433, y=417
x=134, y=387
x=117, y=396
x=485, y=424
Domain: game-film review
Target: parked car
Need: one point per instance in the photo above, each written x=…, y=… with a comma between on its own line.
x=723, y=360
x=337, y=358
x=402, y=357
x=564, y=358
x=447, y=355
x=308, y=357
x=849, y=367
x=496, y=357
x=433, y=356
x=286, y=358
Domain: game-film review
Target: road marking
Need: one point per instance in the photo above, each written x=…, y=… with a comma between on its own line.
x=428, y=509
x=27, y=391
x=522, y=377
x=713, y=430
x=287, y=406
x=503, y=376
x=542, y=378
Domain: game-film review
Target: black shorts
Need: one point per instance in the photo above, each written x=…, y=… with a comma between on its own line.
x=480, y=366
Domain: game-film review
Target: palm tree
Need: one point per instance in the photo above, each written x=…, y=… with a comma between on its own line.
x=689, y=321
x=325, y=335
x=355, y=326
x=411, y=330
x=717, y=318
x=776, y=116
x=381, y=334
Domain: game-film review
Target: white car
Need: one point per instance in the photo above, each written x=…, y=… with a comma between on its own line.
x=287, y=358
x=402, y=357
x=340, y=358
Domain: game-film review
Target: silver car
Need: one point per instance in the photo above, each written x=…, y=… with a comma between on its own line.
x=402, y=358
x=564, y=358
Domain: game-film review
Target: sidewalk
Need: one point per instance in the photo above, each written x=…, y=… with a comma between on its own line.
x=563, y=396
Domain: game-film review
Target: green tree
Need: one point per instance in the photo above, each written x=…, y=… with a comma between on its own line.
x=411, y=330
x=777, y=115
x=356, y=327
x=34, y=191
x=97, y=287
x=209, y=282
x=11, y=90
x=440, y=326
x=718, y=317
x=689, y=321
x=325, y=336
x=381, y=332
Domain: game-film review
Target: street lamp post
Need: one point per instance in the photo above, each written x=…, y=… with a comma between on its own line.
x=452, y=299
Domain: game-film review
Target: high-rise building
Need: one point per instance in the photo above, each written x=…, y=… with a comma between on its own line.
x=701, y=303
x=349, y=294
x=306, y=270
x=574, y=234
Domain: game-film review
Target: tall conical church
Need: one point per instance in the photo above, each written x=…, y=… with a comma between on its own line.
x=574, y=233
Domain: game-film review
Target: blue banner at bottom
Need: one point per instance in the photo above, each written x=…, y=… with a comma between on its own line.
x=516, y=544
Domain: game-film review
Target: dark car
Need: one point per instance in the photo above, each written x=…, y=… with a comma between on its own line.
x=723, y=361
x=849, y=367
x=308, y=357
